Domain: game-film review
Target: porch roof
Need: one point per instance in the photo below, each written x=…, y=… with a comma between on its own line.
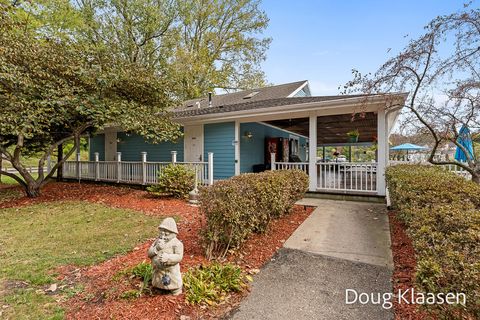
x=332, y=129
x=259, y=104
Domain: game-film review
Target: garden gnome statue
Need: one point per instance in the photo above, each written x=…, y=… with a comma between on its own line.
x=166, y=252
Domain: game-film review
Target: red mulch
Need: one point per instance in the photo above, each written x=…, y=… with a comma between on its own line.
x=100, y=298
x=404, y=269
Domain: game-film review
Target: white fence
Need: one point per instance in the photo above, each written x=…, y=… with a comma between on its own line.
x=303, y=166
x=347, y=177
x=339, y=177
x=449, y=167
x=133, y=172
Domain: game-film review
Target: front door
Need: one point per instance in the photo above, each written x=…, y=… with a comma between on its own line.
x=193, y=143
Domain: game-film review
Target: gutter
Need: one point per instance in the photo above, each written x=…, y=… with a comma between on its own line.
x=299, y=107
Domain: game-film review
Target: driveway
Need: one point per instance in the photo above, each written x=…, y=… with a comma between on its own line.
x=342, y=245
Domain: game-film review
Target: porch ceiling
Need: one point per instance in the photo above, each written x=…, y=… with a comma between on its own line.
x=333, y=129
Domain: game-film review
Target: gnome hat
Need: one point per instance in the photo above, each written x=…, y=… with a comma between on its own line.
x=169, y=224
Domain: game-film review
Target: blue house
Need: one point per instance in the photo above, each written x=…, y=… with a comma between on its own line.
x=276, y=127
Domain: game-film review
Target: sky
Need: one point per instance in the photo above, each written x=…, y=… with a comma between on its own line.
x=321, y=41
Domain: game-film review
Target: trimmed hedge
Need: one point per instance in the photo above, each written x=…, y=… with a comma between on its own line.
x=245, y=204
x=176, y=180
x=442, y=214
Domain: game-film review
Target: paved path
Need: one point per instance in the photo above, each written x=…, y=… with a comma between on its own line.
x=342, y=245
x=356, y=231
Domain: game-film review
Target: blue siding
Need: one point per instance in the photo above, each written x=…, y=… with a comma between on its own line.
x=131, y=147
x=218, y=138
x=97, y=144
x=252, y=151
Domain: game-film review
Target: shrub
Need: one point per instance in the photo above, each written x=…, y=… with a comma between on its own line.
x=442, y=214
x=142, y=271
x=176, y=180
x=211, y=284
x=237, y=207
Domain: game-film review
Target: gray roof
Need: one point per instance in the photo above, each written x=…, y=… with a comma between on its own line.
x=255, y=104
x=252, y=95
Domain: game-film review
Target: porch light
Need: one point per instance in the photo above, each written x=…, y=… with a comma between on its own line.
x=248, y=135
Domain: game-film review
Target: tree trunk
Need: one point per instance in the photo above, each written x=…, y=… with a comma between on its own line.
x=32, y=190
x=59, y=158
x=476, y=177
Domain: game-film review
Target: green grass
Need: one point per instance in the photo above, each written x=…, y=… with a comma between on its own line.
x=28, y=304
x=7, y=180
x=36, y=239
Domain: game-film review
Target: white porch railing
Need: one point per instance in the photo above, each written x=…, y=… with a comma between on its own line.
x=133, y=172
x=339, y=177
x=303, y=166
x=347, y=177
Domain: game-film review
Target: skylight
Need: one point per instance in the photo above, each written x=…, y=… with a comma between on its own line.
x=250, y=95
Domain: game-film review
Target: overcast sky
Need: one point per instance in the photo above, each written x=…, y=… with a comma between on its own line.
x=322, y=40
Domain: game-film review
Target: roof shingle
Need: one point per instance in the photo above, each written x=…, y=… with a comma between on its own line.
x=266, y=93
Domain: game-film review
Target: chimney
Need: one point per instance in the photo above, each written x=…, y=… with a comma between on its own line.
x=209, y=99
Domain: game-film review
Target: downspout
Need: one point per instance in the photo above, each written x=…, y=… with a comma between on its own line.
x=387, y=133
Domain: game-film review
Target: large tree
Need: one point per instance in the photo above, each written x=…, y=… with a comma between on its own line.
x=56, y=90
x=441, y=70
x=200, y=44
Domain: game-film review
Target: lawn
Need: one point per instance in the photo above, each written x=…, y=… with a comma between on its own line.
x=38, y=238
x=74, y=229
x=8, y=180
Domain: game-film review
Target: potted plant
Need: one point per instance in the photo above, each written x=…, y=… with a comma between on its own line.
x=353, y=135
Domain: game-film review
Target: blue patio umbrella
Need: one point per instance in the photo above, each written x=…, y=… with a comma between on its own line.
x=465, y=139
x=407, y=147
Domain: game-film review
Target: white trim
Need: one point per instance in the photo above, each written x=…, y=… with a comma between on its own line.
x=278, y=128
x=298, y=89
x=312, y=152
x=300, y=110
x=237, y=148
x=382, y=151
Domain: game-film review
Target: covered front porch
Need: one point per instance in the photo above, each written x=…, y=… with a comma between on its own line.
x=338, y=163
x=334, y=162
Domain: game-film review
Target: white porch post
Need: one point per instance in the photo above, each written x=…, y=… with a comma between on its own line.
x=381, y=152
x=144, y=168
x=210, y=168
x=237, y=148
x=174, y=156
x=97, y=166
x=77, y=161
x=272, y=161
x=119, y=166
x=49, y=164
x=312, y=153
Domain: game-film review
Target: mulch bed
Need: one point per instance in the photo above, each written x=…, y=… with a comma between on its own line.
x=404, y=269
x=100, y=297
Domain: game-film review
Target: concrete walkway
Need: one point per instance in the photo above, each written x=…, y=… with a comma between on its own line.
x=356, y=231
x=342, y=245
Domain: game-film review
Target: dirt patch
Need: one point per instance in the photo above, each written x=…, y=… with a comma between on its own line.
x=8, y=286
x=101, y=294
x=404, y=269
